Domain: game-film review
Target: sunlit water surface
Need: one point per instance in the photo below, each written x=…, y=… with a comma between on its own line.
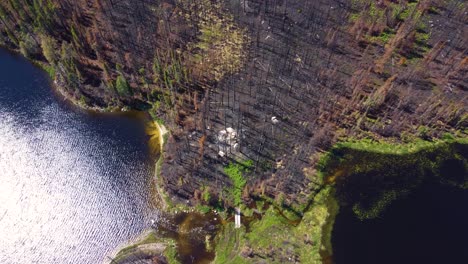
x=73, y=185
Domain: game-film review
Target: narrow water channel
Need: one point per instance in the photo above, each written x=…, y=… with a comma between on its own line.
x=73, y=185
x=428, y=226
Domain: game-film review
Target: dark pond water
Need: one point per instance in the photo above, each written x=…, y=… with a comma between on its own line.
x=428, y=226
x=73, y=185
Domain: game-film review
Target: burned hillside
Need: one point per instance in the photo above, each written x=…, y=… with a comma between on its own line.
x=265, y=84
x=314, y=76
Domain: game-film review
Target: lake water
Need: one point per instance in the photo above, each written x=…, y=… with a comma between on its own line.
x=430, y=225
x=73, y=185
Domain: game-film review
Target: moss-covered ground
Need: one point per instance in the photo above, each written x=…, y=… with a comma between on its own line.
x=275, y=239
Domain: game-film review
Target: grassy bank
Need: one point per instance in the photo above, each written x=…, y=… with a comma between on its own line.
x=275, y=239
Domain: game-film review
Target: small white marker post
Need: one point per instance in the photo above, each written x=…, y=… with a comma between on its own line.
x=237, y=218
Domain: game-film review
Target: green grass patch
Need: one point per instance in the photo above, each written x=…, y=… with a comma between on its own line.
x=204, y=209
x=317, y=225
x=221, y=45
x=171, y=254
x=235, y=172
x=228, y=246
x=273, y=239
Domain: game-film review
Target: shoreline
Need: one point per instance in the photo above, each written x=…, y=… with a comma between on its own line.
x=161, y=198
x=310, y=239
x=144, y=246
x=336, y=164
x=335, y=171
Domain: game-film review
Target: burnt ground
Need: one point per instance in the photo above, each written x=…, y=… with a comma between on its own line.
x=306, y=68
x=314, y=72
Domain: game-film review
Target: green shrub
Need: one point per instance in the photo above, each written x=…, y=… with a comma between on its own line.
x=49, y=69
x=206, y=196
x=423, y=132
x=28, y=46
x=204, y=209
x=49, y=47
x=384, y=37
x=407, y=11
x=122, y=86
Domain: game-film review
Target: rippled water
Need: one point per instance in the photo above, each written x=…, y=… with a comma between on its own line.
x=73, y=185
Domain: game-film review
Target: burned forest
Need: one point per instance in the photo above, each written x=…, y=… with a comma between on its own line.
x=254, y=91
